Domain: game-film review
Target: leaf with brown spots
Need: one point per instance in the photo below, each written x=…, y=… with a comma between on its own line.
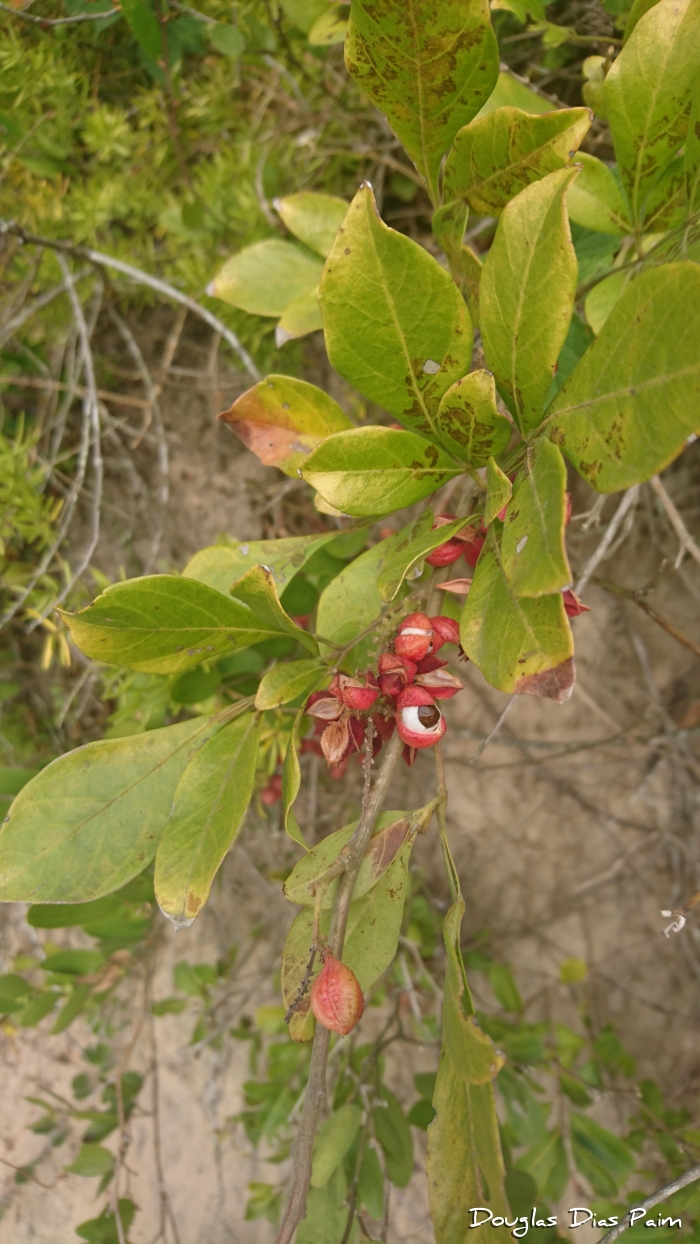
x=428, y=65
x=468, y=421
x=648, y=95
x=498, y=155
x=375, y=470
x=210, y=802
x=395, y=324
x=282, y=419
x=533, y=548
x=632, y=401
x=510, y=639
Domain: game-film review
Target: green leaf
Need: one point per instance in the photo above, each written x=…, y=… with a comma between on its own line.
x=287, y=681
x=526, y=295
x=63, y=915
x=395, y=324
x=282, y=419
x=509, y=92
x=13, y=987
x=533, y=548
x=472, y=1053
x=448, y=224
x=291, y=782
x=257, y=590
x=419, y=540
x=393, y=1131
x=392, y=832
x=326, y=1212
x=666, y=205
x=421, y=1115
x=596, y=200
x=464, y=1163
x=504, y=987
x=227, y=39
x=375, y=470
x=370, y=1185
x=92, y=1160
x=498, y=155
x=649, y=92
x=74, y=962
x=546, y=1161
x=603, y=297
x=37, y=1009
x=335, y=1137
x=301, y=317
x=692, y=159
x=103, y=1230
x=606, y=417
x=92, y=819
x=604, y=1159
x=303, y=13
x=468, y=422
x=374, y=924
x=221, y=565
x=352, y=602
x=428, y=66
x=328, y=29
x=264, y=278
x=162, y=624
x=145, y=27
x=73, y=1008
x=12, y=780
x=498, y=491
x=210, y=802
x=524, y=647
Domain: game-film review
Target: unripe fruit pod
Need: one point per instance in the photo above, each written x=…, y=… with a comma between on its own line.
x=336, y=998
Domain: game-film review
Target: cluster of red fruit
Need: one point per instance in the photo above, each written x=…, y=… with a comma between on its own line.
x=402, y=695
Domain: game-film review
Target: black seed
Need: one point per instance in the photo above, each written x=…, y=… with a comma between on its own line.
x=428, y=715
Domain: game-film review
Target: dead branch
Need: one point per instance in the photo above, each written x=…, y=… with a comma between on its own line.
x=687, y=543
x=140, y=278
x=629, y=499
x=655, y=1199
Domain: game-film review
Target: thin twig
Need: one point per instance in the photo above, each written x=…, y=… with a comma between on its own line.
x=37, y=304
x=59, y=21
x=687, y=543
x=91, y=408
x=62, y=386
x=629, y=499
x=482, y=746
x=141, y=278
x=316, y=1086
x=637, y=599
x=662, y=1195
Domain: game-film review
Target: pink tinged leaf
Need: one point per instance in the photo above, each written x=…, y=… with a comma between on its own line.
x=554, y=684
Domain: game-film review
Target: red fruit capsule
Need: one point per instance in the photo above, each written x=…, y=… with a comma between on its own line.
x=573, y=605
x=355, y=693
x=445, y=631
x=395, y=673
x=445, y=554
x=336, y=998
x=415, y=637
x=474, y=539
x=418, y=719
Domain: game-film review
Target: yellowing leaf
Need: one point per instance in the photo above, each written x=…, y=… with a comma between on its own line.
x=210, y=802
x=648, y=94
x=264, y=278
x=92, y=819
x=428, y=65
x=375, y=470
x=606, y=418
x=498, y=155
x=282, y=419
x=395, y=324
x=533, y=548
x=521, y=646
x=526, y=295
x=468, y=421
